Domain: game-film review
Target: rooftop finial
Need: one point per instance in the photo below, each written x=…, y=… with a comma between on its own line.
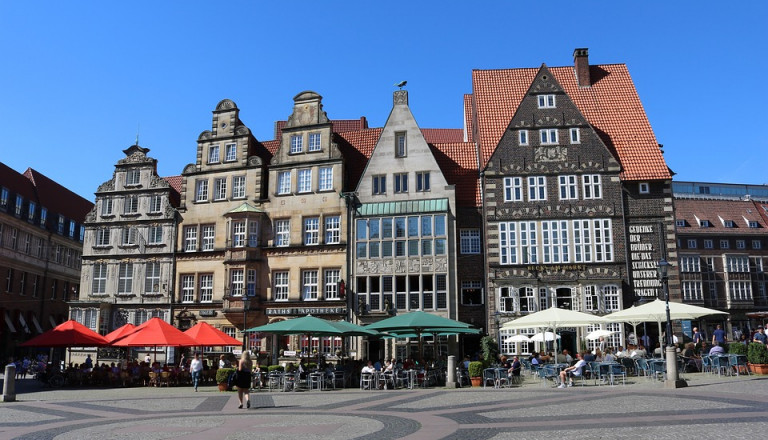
x=137, y=133
x=401, y=84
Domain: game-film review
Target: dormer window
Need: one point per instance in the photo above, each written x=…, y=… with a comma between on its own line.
x=297, y=144
x=680, y=223
x=753, y=224
x=546, y=101
x=728, y=223
x=401, y=149
x=704, y=223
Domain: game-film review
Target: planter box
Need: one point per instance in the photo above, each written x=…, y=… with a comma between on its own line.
x=758, y=368
x=476, y=381
x=222, y=387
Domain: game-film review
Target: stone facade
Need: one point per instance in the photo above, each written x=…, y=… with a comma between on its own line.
x=219, y=264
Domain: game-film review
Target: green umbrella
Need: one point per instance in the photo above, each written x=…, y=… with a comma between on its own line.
x=350, y=329
x=420, y=323
x=305, y=325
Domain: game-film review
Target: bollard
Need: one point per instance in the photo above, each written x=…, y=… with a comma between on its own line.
x=9, y=384
x=450, y=381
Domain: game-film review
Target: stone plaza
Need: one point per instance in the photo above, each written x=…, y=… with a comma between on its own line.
x=710, y=407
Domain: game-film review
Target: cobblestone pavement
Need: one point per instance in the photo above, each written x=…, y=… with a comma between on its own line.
x=710, y=407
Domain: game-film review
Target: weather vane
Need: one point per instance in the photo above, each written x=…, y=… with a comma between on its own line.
x=401, y=84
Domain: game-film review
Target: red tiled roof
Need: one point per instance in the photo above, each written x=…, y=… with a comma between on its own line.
x=443, y=135
x=175, y=195
x=271, y=146
x=611, y=105
x=57, y=198
x=458, y=161
x=740, y=212
x=357, y=147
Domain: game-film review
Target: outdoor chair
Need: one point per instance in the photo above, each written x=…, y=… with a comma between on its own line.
x=367, y=381
x=643, y=367
x=738, y=363
x=658, y=370
x=153, y=379
x=403, y=379
x=165, y=378
x=546, y=373
x=316, y=381
x=629, y=365
x=502, y=378
x=721, y=364
x=275, y=380
x=339, y=379
x=489, y=376
x=462, y=377
x=706, y=363
x=617, y=370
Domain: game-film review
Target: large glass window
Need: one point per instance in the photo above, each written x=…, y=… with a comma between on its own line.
x=209, y=237
x=537, y=188
x=282, y=232
x=592, y=187
x=568, y=188
x=309, y=285
x=311, y=231
x=305, y=180
x=152, y=278
x=524, y=242
x=297, y=144
x=238, y=187
x=401, y=236
x=206, y=288
x=187, y=288
x=470, y=241
x=325, y=179
x=99, y=285
x=238, y=233
x=332, y=229
x=513, y=189
x=237, y=282
x=314, y=142
x=284, y=182
x=125, y=279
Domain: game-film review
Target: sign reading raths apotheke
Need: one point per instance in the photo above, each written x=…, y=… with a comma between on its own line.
x=644, y=257
x=307, y=311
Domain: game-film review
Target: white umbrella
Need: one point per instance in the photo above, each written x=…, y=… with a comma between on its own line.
x=517, y=338
x=657, y=311
x=597, y=334
x=544, y=336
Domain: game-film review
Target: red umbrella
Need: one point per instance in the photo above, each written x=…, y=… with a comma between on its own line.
x=68, y=334
x=127, y=329
x=206, y=335
x=155, y=332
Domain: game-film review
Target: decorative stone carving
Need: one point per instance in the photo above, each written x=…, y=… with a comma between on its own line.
x=242, y=130
x=226, y=104
x=400, y=97
x=205, y=135
x=109, y=185
x=557, y=153
x=190, y=168
x=254, y=161
x=441, y=264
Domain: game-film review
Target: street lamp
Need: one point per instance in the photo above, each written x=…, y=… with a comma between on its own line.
x=246, y=305
x=671, y=352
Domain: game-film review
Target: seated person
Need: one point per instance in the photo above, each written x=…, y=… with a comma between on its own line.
x=574, y=370
x=589, y=357
x=514, y=367
x=704, y=350
x=368, y=368
x=535, y=359
x=639, y=352
x=717, y=350
x=609, y=357
x=692, y=360
x=465, y=363
x=505, y=362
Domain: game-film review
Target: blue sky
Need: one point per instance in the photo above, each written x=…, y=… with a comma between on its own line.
x=80, y=78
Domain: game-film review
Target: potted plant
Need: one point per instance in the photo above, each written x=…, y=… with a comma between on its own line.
x=222, y=378
x=737, y=348
x=757, y=356
x=490, y=349
x=476, y=373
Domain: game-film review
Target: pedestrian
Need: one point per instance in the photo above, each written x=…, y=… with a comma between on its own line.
x=243, y=381
x=718, y=336
x=697, y=336
x=196, y=368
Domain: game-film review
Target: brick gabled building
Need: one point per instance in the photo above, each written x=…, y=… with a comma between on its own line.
x=576, y=194
x=41, y=240
x=722, y=234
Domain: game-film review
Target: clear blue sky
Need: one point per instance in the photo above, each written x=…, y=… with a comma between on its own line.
x=79, y=78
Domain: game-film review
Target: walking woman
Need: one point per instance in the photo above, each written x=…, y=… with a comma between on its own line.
x=244, y=368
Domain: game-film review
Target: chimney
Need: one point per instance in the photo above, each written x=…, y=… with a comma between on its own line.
x=581, y=65
x=400, y=97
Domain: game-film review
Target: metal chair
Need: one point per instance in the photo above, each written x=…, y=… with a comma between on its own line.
x=706, y=363
x=275, y=380
x=643, y=366
x=617, y=370
x=738, y=362
x=721, y=364
x=367, y=381
x=316, y=381
x=489, y=375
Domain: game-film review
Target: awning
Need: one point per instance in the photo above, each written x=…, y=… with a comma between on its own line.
x=52, y=321
x=404, y=207
x=23, y=323
x=37, y=324
x=9, y=321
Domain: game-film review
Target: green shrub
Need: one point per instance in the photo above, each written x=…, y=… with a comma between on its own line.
x=272, y=368
x=476, y=369
x=757, y=354
x=222, y=374
x=737, y=348
x=490, y=349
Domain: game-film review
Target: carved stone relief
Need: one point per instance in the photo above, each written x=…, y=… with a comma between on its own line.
x=556, y=153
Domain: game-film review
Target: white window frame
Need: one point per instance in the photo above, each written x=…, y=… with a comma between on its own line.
x=230, y=152
x=129, y=236
x=401, y=144
x=325, y=178
x=201, y=190
x=611, y=298
x=522, y=137
x=155, y=203
x=102, y=237
x=690, y=264
x=282, y=232
x=133, y=177
x=537, y=188
x=125, y=279
x=692, y=290
x=737, y=263
x=709, y=244
x=725, y=244
x=297, y=144
x=513, y=189
x=591, y=186
x=506, y=299
x=106, y=207
x=400, y=183
x=236, y=282
x=645, y=188
x=309, y=285
x=283, y=182
x=574, y=134
x=569, y=187
x=546, y=101
x=190, y=238
x=331, y=278
x=213, y=154
x=187, y=288
x=304, y=180
x=280, y=286
x=238, y=233
x=152, y=277
x=206, y=288
x=155, y=234
x=220, y=189
x=332, y=229
x=548, y=136
x=315, y=142
x=130, y=205
x=741, y=244
x=311, y=231
x=757, y=244
x=99, y=276
x=238, y=187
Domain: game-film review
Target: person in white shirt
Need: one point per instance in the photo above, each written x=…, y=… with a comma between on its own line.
x=195, y=368
x=574, y=370
x=368, y=368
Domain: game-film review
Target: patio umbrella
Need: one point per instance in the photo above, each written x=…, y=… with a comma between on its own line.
x=552, y=318
x=208, y=336
x=157, y=333
x=517, y=338
x=544, y=336
x=656, y=310
x=597, y=334
x=120, y=332
x=68, y=334
x=420, y=323
x=351, y=329
x=306, y=325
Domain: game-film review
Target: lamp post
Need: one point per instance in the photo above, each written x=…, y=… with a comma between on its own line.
x=497, y=319
x=671, y=351
x=246, y=304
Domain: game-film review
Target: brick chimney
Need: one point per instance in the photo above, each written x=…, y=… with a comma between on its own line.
x=581, y=66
